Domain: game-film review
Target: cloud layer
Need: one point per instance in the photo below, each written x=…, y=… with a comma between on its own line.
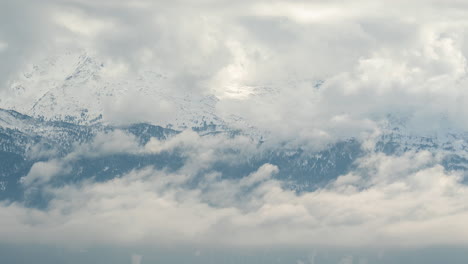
x=307, y=70
x=386, y=202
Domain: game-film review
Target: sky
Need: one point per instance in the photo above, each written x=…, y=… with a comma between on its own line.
x=317, y=68
x=309, y=73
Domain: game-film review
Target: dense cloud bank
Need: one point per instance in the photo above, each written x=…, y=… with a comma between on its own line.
x=395, y=201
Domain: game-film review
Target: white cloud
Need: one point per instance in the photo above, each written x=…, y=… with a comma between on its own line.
x=304, y=12
x=112, y=142
x=387, y=202
x=264, y=60
x=78, y=23
x=42, y=172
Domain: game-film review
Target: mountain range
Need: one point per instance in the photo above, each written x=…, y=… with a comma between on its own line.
x=66, y=102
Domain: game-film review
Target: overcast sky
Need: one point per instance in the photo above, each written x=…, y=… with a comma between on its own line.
x=372, y=58
x=336, y=70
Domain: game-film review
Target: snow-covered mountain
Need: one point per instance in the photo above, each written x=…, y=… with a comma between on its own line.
x=82, y=89
x=66, y=101
x=25, y=141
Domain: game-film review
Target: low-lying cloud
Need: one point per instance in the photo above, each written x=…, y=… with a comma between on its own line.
x=386, y=202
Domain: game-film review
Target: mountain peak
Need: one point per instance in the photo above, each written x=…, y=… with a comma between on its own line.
x=78, y=87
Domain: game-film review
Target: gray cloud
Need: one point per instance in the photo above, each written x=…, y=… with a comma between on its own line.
x=24, y=31
x=408, y=209
x=387, y=202
x=329, y=67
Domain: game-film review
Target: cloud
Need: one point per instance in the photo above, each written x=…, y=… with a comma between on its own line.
x=386, y=202
x=304, y=71
x=107, y=143
x=23, y=32
x=42, y=172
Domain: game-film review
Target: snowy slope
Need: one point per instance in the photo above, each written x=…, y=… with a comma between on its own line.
x=80, y=88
